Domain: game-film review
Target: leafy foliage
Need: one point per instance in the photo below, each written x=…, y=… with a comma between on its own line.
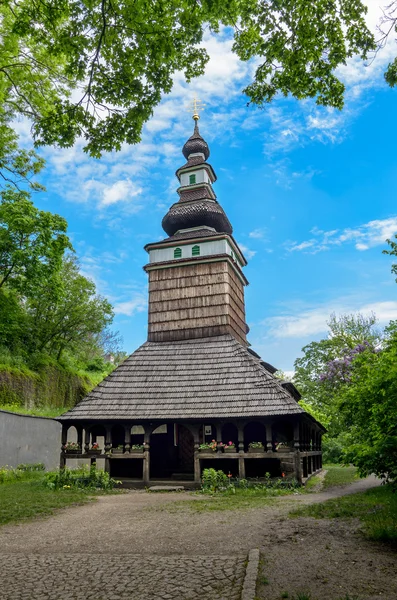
x=32, y=242
x=368, y=406
x=53, y=324
x=81, y=478
x=119, y=58
x=326, y=364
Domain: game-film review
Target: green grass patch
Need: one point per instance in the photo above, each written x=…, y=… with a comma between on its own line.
x=29, y=498
x=337, y=475
x=376, y=509
x=240, y=499
x=44, y=411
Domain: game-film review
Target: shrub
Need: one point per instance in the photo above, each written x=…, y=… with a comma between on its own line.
x=82, y=478
x=28, y=467
x=213, y=481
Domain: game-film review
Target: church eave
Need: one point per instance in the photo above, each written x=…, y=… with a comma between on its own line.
x=188, y=168
x=179, y=262
x=184, y=242
x=197, y=186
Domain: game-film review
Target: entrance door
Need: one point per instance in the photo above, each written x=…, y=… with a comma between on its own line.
x=185, y=450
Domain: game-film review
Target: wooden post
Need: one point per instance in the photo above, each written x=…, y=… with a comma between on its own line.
x=195, y=430
x=80, y=436
x=240, y=446
x=146, y=455
x=219, y=436
x=298, y=466
x=269, y=436
x=108, y=438
x=127, y=438
x=296, y=436
x=64, y=439
x=86, y=439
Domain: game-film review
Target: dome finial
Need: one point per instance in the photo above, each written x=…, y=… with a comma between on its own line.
x=195, y=106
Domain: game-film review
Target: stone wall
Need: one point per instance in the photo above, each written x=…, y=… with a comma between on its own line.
x=26, y=439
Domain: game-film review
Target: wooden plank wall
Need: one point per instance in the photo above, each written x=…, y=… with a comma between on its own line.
x=199, y=300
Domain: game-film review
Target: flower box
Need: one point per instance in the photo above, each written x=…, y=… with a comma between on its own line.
x=256, y=450
x=285, y=449
x=72, y=451
x=117, y=450
x=95, y=451
x=136, y=451
x=230, y=450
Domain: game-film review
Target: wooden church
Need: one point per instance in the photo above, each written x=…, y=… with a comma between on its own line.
x=195, y=395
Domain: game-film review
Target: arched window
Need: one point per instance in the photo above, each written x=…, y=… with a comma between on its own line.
x=196, y=251
x=178, y=253
x=192, y=179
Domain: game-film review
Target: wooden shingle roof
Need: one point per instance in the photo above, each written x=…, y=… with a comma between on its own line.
x=214, y=377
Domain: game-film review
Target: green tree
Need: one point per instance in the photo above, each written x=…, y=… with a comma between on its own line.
x=67, y=320
x=392, y=252
x=32, y=242
x=345, y=333
x=119, y=58
x=368, y=408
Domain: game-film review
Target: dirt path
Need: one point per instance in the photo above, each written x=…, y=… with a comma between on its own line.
x=199, y=555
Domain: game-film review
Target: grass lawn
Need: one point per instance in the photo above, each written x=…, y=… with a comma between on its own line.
x=376, y=509
x=45, y=411
x=221, y=501
x=338, y=475
x=28, y=498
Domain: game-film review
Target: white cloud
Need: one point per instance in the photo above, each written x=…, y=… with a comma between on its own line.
x=257, y=234
x=313, y=321
x=368, y=235
x=120, y=191
x=138, y=303
x=248, y=253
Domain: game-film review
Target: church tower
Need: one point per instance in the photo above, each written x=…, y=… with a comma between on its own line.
x=196, y=379
x=196, y=282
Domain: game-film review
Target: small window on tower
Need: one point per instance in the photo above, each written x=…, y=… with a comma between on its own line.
x=178, y=253
x=196, y=251
x=192, y=179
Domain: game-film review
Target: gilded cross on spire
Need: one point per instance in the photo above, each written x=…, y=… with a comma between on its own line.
x=195, y=106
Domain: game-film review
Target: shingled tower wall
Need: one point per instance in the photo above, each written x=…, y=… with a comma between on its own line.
x=196, y=283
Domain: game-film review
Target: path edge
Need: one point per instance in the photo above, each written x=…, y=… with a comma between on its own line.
x=251, y=575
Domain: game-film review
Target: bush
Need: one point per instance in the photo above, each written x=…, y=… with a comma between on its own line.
x=213, y=481
x=217, y=481
x=28, y=467
x=82, y=478
x=333, y=450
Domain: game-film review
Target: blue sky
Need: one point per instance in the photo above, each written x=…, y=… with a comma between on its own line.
x=310, y=193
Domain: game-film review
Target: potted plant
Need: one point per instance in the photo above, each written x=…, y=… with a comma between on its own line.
x=255, y=447
x=229, y=448
x=118, y=450
x=208, y=447
x=284, y=447
x=72, y=448
x=95, y=449
x=137, y=448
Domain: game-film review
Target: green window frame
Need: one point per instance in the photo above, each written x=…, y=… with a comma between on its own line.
x=192, y=179
x=196, y=251
x=178, y=253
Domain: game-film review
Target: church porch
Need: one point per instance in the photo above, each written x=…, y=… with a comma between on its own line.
x=176, y=451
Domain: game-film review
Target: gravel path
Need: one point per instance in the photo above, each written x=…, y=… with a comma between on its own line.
x=130, y=546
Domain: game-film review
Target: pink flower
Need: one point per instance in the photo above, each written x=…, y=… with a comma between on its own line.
x=230, y=443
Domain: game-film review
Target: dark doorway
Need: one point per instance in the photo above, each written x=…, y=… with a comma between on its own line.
x=126, y=468
x=172, y=453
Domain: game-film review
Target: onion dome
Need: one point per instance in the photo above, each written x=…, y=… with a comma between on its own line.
x=184, y=215
x=196, y=144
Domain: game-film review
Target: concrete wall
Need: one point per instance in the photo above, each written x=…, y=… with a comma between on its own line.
x=25, y=439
